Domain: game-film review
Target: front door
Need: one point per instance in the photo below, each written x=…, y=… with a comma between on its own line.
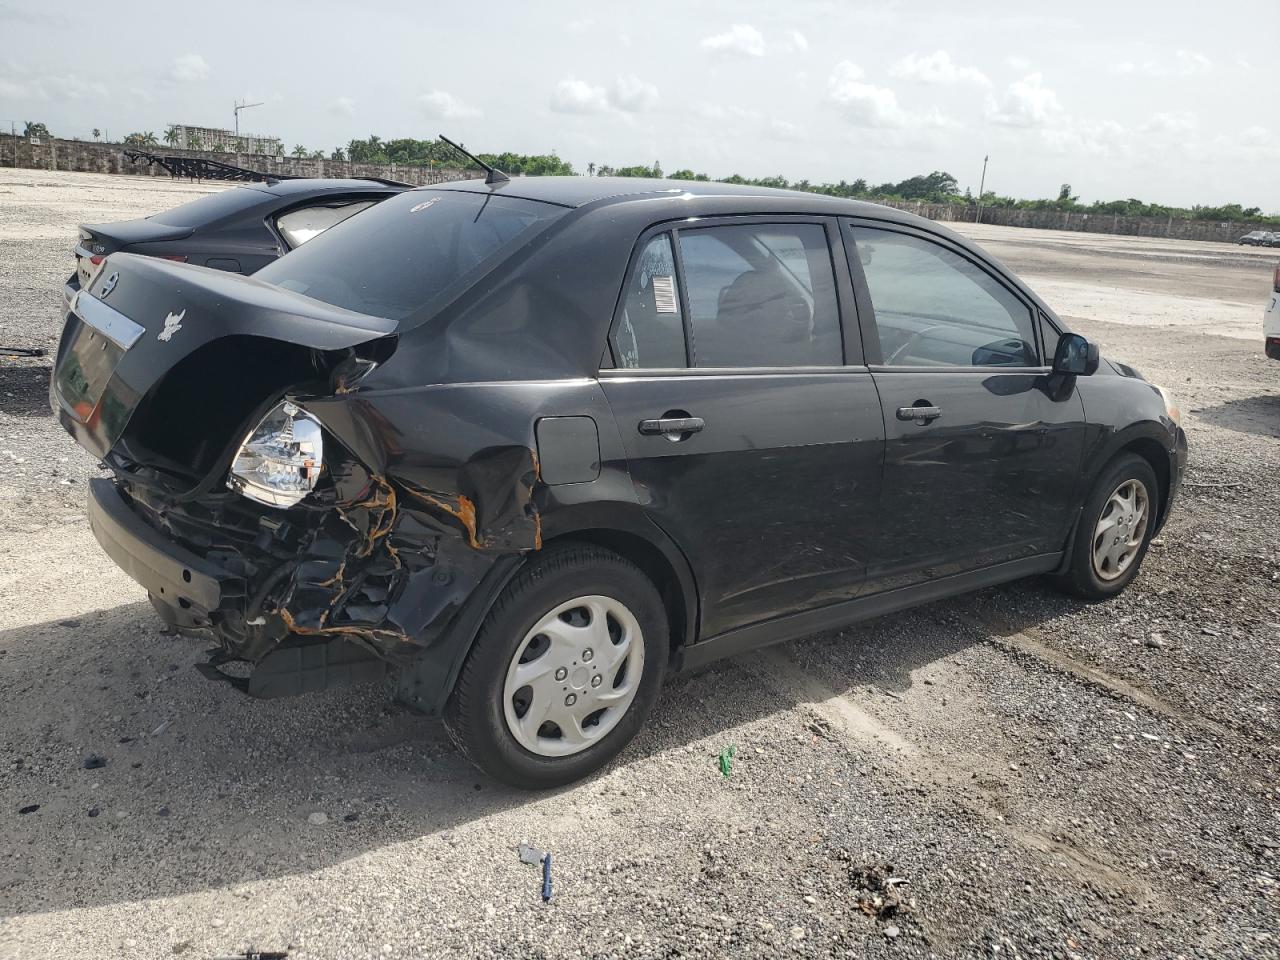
x=981, y=455
x=750, y=440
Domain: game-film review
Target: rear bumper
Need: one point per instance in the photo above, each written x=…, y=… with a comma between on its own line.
x=170, y=573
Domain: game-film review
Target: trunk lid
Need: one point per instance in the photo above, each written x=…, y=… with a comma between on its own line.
x=143, y=319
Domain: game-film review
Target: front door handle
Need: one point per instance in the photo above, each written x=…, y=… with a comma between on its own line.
x=672, y=425
x=920, y=414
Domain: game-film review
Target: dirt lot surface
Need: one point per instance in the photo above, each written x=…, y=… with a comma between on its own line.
x=1012, y=773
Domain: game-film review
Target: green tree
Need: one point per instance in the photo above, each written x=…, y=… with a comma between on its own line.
x=34, y=128
x=194, y=142
x=338, y=154
x=300, y=151
x=171, y=135
x=97, y=134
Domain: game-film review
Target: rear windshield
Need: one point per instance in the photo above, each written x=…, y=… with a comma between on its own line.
x=410, y=253
x=207, y=209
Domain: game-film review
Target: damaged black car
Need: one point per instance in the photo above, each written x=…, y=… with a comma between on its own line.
x=519, y=448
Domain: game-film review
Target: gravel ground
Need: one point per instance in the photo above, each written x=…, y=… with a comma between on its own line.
x=1010, y=773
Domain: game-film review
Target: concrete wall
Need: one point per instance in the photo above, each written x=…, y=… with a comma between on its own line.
x=89, y=157
x=1222, y=231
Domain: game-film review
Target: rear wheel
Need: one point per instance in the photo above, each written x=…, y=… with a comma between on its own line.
x=1115, y=530
x=564, y=671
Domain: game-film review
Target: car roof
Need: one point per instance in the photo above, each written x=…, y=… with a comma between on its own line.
x=580, y=191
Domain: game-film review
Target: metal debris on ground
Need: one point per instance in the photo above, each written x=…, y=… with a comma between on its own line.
x=726, y=759
x=530, y=855
x=546, y=877
x=877, y=891
x=252, y=954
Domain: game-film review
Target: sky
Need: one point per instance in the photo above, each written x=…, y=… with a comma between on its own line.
x=1172, y=102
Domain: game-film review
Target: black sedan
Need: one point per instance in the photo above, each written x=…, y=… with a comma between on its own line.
x=239, y=230
x=524, y=447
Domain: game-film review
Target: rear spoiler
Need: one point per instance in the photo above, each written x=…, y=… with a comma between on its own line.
x=198, y=168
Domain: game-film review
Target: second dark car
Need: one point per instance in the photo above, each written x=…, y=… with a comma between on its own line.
x=523, y=447
x=240, y=229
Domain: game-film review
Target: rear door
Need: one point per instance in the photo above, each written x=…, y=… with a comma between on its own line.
x=751, y=426
x=982, y=454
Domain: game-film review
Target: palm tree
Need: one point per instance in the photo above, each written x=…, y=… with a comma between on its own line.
x=97, y=134
x=194, y=142
x=591, y=169
x=149, y=139
x=300, y=151
x=171, y=135
x=33, y=128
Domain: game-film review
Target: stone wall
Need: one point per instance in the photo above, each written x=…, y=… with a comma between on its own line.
x=89, y=157
x=1227, y=231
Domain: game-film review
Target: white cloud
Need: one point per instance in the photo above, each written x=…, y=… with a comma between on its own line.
x=189, y=66
x=939, y=68
x=633, y=95
x=1025, y=103
x=714, y=111
x=1173, y=122
x=1021, y=64
x=1183, y=63
x=629, y=94
x=343, y=107
x=797, y=42
x=445, y=106
x=69, y=86
x=784, y=130
x=576, y=96
x=741, y=38
x=581, y=26
x=866, y=105
x=1105, y=138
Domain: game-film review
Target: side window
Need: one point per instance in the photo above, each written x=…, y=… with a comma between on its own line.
x=935, y=308
x=1049, y=336
x=761, y=295
x=299, y=226
x=650, y=331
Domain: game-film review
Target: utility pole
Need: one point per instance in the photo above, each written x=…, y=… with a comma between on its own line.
x=982, y=185
x=242, y=106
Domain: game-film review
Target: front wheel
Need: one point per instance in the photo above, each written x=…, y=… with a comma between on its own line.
x=1115, y=530
x=564, y=670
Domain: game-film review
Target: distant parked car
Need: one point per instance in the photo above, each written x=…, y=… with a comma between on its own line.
x=1271, y=319
x=1254, y=238
x=1271, y=240
x=239, y=230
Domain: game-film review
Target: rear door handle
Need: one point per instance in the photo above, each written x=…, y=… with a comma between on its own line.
x=919, y=414
x=672, y=425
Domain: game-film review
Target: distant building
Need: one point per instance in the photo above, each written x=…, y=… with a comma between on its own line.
x=224, y=141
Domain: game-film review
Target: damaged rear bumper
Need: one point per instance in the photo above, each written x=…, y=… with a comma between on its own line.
x=173, y=575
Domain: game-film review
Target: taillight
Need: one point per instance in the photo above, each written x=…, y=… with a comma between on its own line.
x=97, y=259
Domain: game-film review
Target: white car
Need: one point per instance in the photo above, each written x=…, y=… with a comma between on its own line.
x=1271, y=319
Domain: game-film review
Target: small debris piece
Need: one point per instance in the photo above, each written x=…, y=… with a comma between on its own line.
x=546, y=877
x=877, y=891
x=1155, y=639
x=891, y=931
x=726, y=759
x=530, y=855
x=94, y=811
x=318, y=819
x=95, y=761
x=29, y=808
x=252, y=954
x=350, y=817
x=162, y=728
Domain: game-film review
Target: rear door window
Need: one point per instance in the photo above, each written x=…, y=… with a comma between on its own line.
x=409, y=255
x=299, y=226
x=934, y=307
x=650, y=329
x=761, y=295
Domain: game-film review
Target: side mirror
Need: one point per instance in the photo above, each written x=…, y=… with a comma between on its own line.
x=1075, y=356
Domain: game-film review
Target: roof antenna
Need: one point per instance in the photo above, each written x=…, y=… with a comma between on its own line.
x=493, y=174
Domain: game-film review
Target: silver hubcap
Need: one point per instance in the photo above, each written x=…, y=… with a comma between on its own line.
x=573, y=676
x=1120, y=530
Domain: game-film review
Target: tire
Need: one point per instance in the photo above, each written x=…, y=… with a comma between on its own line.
x=1085, y=575
x=620, y=609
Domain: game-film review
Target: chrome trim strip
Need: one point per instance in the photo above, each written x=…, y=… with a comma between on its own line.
x=108, y=321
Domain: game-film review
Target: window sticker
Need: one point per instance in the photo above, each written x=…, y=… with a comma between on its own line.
x=424, y=204
x=664, y=294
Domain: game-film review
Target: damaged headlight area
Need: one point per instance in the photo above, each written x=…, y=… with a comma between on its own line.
x=281, y=458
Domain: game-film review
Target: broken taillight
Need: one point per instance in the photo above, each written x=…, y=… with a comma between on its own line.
x=280, y=460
